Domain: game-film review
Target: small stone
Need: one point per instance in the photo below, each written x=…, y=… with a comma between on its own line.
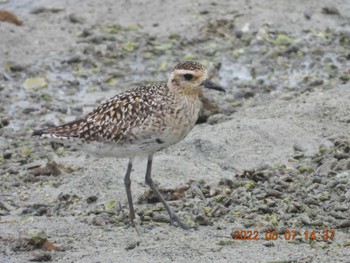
x=325, y=196
x=35, y=83
x=203, y=221
x=132, y=244
x=298, y=148
x=341, y=155
x=28, y=110
x=73, y=18
x=265, y=209
x=40, y=9
x=330, y=10
x=51, y=168
x=312, y=187
x=305, y=168
x=217, y=118
x=269, y=244
x=17, y=67
x=9, y=17
x=4, y=122
x=341, y=207
x=219, y=198
x=337, y=215
x=311, y=201
x=190, y=223
x=227, y=182
x=317, y=222
x=161, y=218
x=72, y=60
x=42, y=257
x=91, y=199
x=344, y=224
x=15, y=184
x=308, y=13
x=238, y=33
x=196, y=191
x=317, y=179
x=274, y=193
x=36, y=237
x=227, y=191
x=7, y=155
x=148, y=212
x=146, y=218
x=305, y=220
x=316, y=82
x=326, y=167
x=213, y=192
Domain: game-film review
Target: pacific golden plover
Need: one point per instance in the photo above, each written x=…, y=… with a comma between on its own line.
x=141, y=121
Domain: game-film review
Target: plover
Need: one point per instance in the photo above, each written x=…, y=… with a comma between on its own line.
x=140, y=122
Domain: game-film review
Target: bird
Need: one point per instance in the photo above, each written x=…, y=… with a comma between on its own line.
x=140, y=122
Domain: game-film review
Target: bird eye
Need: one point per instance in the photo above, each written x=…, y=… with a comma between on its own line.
x=188, y=76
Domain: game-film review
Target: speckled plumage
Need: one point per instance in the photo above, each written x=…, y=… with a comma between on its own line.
x=141, y=121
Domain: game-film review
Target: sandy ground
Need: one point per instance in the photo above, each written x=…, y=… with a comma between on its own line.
x=263, y=131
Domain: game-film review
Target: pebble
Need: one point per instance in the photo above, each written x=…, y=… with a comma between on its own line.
x=203, y=220
x=330, y=10
x=344, y=224
x=132, y=244
x=274, y=193
x=75, y=19
x=91, y=199
x=308, y=13
x=161, y=218
x=269, y=244
x=326, y=167
x=7, y=155
x=4, y=122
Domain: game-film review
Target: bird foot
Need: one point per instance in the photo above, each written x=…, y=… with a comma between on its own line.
x=174, y=218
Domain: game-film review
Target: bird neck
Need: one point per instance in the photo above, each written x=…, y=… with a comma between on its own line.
x=188, y=91
x=184, y=90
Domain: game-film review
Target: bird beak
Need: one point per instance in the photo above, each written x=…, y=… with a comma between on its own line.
x=211, y=85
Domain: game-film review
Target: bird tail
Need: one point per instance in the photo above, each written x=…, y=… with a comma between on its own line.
x=38, y=133
x=65, y=131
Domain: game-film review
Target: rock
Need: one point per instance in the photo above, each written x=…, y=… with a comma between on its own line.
x=35, y=83
x=7, y=155
x=326, y=167
x=341, y=207
x=308, y=13
x=330, y=10
x=9, y=17
x=17, y=67
x=4, y=122
x=91, y=199
x=42, y=257
x=203, y=220
x=39, y=10
x=75, y=19
x=274, y=193
x=161, y=218
x=268, y=244
x=218, y=118
x=344, y=224
x=132, y=244
x=311, y=201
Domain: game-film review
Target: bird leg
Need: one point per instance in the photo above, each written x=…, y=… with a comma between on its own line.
x=127, y=183
x=150, y=183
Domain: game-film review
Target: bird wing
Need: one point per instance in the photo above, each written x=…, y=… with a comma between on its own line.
x=115, y=119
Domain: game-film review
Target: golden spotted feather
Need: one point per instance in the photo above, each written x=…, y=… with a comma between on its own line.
x=114, y=120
